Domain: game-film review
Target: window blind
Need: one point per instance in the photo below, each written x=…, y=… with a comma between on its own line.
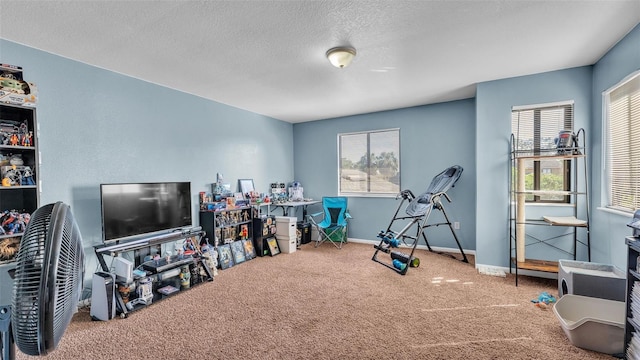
x=536, y=127
x=623, y=113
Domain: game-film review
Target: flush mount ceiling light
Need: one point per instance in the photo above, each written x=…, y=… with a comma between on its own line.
x=341, y=57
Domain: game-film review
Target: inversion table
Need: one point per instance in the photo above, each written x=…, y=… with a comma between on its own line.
x=417, y=215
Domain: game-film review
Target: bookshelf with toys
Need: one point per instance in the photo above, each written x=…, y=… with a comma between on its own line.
x=228, y=224
x=19, y=160
x=19, y=195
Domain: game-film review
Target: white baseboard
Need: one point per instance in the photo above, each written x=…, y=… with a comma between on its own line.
x=503, y=271
x=421, y=247
x=492, y=270
x=482, y=268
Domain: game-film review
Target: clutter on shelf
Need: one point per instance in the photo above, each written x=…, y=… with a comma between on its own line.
x=14, y=89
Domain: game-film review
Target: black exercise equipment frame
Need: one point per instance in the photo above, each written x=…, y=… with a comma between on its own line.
x=385, y=244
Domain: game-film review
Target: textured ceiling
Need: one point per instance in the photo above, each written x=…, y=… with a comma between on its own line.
x=268, y=56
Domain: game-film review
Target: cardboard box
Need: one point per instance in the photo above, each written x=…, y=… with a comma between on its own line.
x=287, y=244
x=286, y=226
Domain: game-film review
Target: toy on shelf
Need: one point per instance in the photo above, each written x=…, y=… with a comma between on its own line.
x=9, y=248
x=27, y=176
x=13, y=222
x=27, y=139
x=254, y=197
x=210, y=254
x=13, y=140
x=14, y=133
x=17, y=175
x=231, y=203
x=185, y=277
x=218, y=186
x=16, y=160
x=190, y=247
x=145, y=291
x=278, y=193
x=13, y=88
x=220, y=189
x=296, y=192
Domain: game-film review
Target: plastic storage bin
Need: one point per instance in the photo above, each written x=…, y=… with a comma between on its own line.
x=287, y=244
x=591, y=279
x=286, y=226
x=305, y=232
x=592, y=323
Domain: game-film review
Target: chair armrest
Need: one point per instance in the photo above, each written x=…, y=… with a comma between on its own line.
x=348, y=216
x=316, y=214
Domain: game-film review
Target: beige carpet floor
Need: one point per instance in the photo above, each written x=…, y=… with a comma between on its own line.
x=325, y=303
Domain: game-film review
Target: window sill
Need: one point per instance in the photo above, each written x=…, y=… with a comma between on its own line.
x=616, y=212
x=368, y=195
x=540, y=204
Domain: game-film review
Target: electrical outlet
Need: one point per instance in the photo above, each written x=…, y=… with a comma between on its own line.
x=456, y=225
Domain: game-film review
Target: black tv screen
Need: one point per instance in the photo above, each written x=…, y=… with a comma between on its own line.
x=132, y=209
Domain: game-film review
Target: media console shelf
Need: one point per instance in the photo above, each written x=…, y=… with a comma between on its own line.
x=159, y=274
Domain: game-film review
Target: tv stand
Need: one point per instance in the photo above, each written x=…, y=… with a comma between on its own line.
x=158, y=271
x=162, y=265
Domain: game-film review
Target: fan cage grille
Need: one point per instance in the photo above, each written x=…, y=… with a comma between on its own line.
x=48, y=279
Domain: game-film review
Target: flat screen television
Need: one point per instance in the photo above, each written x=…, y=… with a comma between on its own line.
x=135, y=209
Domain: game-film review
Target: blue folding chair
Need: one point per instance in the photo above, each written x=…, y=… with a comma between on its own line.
x=333, y=226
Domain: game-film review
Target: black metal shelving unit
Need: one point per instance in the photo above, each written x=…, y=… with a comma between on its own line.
x=194, y=262
x=632, y=326
x=576, y=158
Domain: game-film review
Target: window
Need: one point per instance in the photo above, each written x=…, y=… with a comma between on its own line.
x=535, y=129
x=369, y=162
x=622, y=139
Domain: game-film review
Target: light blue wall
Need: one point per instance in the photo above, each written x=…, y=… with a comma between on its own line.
x=432, y=138
x=494, y=101
x=97, y=126
x=622, y=60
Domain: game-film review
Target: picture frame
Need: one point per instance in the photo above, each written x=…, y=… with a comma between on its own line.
x=237, y=249
x=274, y=249
x=225, y=256
x=249, y=249
x=246, y=186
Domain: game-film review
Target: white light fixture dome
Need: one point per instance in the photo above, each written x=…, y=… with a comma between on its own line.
x=341, y=57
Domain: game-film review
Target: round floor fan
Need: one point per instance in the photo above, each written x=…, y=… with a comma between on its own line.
x=48, y=282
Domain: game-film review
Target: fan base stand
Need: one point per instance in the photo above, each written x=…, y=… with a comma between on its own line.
x=7, y=346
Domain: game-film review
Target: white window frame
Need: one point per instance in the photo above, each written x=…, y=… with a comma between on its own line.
x=607, y=197
x=368, y=192
x=538, y=173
